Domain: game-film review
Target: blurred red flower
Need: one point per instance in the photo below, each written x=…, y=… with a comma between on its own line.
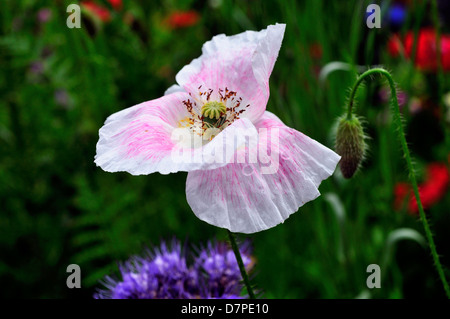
x=394, y=45
x=116, y=4
x=97, y=10
x=430, y=191
x=100, y=11
x=426, y=57
x=182, y=19
x=315, y=50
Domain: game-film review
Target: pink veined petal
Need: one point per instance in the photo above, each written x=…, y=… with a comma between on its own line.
x=242, y=63
x=141, y=140
x=138, y=139
x=239, y=197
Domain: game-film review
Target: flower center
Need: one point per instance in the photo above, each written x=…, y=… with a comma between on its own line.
x=213, y=110
x=219, y=109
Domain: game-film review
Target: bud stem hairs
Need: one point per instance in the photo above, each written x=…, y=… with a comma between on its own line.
x=409, y=164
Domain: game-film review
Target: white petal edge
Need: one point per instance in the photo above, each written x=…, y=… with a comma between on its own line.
x=175, y=88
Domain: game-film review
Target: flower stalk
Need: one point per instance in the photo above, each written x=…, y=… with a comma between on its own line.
x=440, y=72
x=244, y=274
x=401, y=136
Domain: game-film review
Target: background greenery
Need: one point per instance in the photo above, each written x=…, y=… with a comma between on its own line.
x=58, y=85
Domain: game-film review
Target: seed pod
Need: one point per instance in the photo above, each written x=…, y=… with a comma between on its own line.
x=350, y=145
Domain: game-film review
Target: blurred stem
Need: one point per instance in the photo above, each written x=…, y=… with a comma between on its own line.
x=241, y=264
x=16, y=126
x=440, y=71
x=437, y=29
x=419, y=13
x=419, y=17
x=401, y=135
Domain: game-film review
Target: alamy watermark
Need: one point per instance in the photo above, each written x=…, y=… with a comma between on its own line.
x=74, y=19
x=374, y=279
x=373, y=19
x=240, y=145
x=74, y=279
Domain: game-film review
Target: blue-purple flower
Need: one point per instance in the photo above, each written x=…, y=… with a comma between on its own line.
x=164, y=274
x=219, y=267
x=397, y=15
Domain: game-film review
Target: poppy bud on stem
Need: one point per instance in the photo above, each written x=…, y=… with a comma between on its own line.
x=350, y=144
x=401, y=135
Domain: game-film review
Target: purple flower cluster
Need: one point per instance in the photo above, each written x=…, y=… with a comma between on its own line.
x=164, y=274
x=220, y=269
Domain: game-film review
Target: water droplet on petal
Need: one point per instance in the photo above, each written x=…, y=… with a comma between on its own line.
x=248, y=170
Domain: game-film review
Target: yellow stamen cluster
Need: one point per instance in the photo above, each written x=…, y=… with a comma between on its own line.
x=218, y=111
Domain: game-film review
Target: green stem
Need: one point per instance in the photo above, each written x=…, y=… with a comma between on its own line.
x=437, y=30
x=418, y=20
x=418, y=17
x=235, y=248
x=412, y=176
x=440, y=72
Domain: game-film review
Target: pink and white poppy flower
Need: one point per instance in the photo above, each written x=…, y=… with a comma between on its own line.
x=226, y=89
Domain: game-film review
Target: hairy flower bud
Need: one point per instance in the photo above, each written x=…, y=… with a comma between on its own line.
x=350, y=145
